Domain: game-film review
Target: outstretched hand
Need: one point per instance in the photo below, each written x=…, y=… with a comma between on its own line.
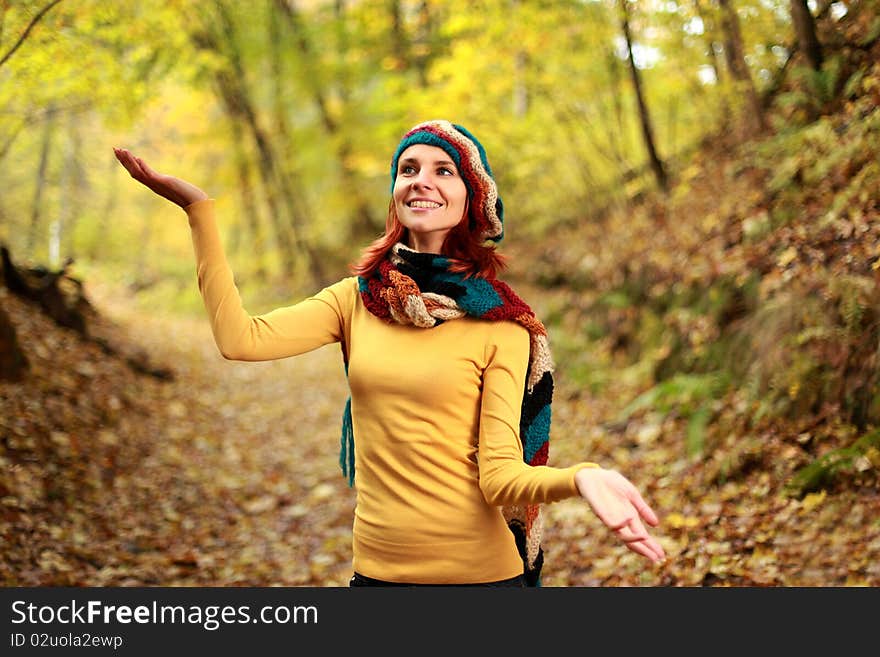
x=620, y=506
x=174, y=189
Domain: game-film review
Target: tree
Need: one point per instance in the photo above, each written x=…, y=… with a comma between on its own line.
x=331, y=124
x=709, y=30
x=24, y=35
x=656, y=163
x=805, y=29
x=285, y=203
x=13, y=362
x=40, y=183
x=734, y=53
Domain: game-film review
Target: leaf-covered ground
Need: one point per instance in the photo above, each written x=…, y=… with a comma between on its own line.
x=228, y=475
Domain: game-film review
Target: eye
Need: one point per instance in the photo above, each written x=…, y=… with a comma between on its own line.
x=406, y=170
x=446, y=171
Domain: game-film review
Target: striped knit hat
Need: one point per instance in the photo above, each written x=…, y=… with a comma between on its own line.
x=470, y=159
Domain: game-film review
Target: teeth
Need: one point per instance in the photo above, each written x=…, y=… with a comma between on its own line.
x=423, y=204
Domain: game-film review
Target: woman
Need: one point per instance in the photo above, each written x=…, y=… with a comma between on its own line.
x=445, y=433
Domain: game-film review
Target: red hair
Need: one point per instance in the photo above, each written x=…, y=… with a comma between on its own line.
x=469, y=256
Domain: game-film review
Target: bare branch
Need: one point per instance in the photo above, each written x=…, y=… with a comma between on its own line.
x=27, y=30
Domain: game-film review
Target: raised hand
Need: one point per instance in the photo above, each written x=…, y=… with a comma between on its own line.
x=174, y=189
x=620, y=506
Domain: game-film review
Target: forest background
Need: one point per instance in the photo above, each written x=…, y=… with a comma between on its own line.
x=691, y=206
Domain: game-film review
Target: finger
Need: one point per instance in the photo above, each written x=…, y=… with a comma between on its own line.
x=644, y=509
x=650, y=547
x=634, y=530
x=158, y=183
x=130, y=163
x=138, y=165
x=655, y=547
x=614, y=510
x=651, y=544
x=148, y=171
x=121, y=156
x=642, y=548
x=614, y=522
x=646, y=543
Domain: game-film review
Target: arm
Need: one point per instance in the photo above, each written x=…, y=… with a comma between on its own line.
x=506, y=479
x=286, y=331
x=178, y=191
x=283, y=332
x=620, y=506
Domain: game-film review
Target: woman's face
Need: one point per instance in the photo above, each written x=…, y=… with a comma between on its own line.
x=429, y=195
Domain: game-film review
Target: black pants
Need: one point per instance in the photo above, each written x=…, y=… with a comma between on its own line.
x=362, y=580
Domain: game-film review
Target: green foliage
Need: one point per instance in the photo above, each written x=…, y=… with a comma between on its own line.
x=287, y=113
x=696, y=430
x=331, y=86
x=861, y=455
x=684, y=393
x=811, y=89
x=872, y=34
x=758, y=272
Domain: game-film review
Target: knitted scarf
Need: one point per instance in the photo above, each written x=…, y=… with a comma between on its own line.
x=418, y=289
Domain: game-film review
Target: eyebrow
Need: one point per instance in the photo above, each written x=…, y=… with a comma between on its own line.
x=412, y=160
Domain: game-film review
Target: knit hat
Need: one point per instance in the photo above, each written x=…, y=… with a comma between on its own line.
x=470, y=159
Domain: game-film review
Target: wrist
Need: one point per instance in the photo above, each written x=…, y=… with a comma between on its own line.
x=583, y=474
x=187, y=206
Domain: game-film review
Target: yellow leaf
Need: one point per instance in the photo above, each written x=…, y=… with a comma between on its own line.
x=813, y=500
x=787, y=257
x=677, y=521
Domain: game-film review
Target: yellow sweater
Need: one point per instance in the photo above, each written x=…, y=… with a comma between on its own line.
x=435, y=414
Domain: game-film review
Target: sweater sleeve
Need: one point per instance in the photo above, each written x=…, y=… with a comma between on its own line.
x=505, y=478
x=285, y=331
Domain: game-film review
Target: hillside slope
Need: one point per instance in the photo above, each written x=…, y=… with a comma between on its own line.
x=719, y=345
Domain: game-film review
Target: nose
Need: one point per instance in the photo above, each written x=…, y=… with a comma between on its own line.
x=422, y=179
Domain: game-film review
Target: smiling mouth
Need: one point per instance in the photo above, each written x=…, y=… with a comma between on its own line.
x=425, y=205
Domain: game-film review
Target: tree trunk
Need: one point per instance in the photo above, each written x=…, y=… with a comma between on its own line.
x=343, y=78
x=255, y=237
x=107, y=209
x=40, y=183
x=805, y=30
x=71, y=184
x=566, y=115
x=280, y=197
x=288, y=171
x=363, y=212
x=399, y=45
x=709, y=33
x=422, y=43
x=616, y=131
x=144, y=276
x=734, y=52
x=239, y=108
x=657, y=166
x=13, y=362
x=520, y=95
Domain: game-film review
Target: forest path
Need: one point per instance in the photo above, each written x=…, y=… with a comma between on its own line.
x=244, y=468
x=248, y=469
x=228, y=475
x=246, y=464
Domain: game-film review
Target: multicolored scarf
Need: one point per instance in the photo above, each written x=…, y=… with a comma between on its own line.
x=419, y=290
